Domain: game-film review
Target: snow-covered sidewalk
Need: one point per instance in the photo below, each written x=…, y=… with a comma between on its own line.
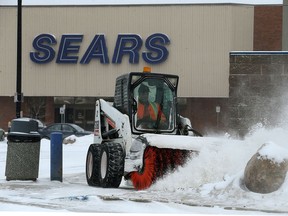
x=208, y=184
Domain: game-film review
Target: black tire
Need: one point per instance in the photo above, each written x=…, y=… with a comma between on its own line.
x=112, y=165
x=93, y=165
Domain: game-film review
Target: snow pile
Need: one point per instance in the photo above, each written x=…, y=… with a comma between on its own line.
x=216, y=175
x=273, y=152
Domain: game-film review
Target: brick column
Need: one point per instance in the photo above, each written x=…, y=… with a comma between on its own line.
x=285, y=26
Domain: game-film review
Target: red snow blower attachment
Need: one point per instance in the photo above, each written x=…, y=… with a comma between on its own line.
x=156, y=164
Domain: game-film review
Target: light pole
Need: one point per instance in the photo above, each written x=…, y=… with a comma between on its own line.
x=217, y=113
x=18, y=95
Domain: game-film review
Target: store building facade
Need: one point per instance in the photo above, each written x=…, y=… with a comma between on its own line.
x=71, y=55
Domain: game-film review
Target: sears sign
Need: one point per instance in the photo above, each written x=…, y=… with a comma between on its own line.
x=126, y=45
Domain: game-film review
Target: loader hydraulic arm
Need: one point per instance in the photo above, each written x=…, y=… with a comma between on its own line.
x=108, y=117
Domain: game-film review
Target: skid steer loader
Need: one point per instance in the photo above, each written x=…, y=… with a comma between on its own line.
x=140, y=150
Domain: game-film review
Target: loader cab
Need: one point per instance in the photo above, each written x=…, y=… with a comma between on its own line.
x=149, y=99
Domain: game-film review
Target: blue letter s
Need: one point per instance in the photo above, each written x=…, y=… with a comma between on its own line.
x=44, y=52
x=159, y=53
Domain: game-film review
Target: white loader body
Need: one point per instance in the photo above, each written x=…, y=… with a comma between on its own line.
x=140, y=147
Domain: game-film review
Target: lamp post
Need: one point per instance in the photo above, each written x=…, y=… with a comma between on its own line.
x=18, y=95
x=217, y=113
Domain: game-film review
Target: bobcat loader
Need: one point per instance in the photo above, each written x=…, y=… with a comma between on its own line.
x=141, y=152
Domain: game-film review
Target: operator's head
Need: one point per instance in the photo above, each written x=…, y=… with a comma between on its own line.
x=143, y=89
x=143, y=92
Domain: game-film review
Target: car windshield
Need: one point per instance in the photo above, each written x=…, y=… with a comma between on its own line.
x=56, y=127
x=78, y=128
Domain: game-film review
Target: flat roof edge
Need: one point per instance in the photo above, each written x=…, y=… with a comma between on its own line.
x=136, y=4
x=258, y=52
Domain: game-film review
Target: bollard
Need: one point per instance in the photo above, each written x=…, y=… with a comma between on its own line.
x=56, y=155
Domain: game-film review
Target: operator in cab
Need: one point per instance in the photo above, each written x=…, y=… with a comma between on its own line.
x=147, y=112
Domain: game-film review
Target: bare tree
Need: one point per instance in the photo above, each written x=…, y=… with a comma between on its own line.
x=36, y=107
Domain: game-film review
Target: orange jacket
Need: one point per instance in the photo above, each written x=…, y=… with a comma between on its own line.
x=150, y=112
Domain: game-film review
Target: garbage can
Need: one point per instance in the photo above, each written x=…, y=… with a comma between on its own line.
x=2, y=134
x=22, y=161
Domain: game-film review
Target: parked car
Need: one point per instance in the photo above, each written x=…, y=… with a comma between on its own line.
x=67, y=129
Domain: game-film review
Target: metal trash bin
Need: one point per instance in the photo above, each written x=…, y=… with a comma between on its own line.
x=22, y=161
x=2, y=134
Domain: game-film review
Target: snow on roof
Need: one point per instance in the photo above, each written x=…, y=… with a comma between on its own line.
x=137, y=2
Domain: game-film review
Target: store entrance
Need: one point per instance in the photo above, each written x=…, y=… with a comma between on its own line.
x=84, y=117
x=77, y=110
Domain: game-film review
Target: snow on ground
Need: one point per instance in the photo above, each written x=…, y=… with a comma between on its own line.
x=210, y=183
